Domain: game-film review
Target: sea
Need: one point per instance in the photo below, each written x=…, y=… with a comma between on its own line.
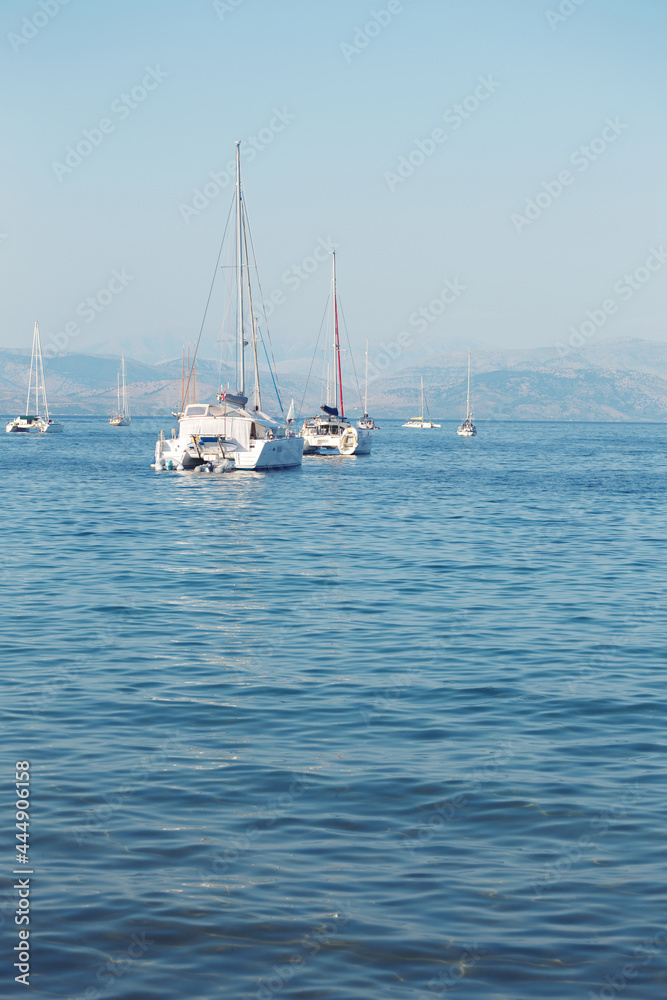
x=391, y=727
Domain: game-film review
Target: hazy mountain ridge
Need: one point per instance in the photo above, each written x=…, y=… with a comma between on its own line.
x=623, y=379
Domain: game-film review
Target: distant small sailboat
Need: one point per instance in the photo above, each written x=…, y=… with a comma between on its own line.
x=419, y=421
x=467, y=428
x=367, y=423
x=122, y=415
x=38, y=421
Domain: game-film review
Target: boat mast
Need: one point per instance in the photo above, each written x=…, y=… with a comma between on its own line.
x=253, y=321
x=337, y=341
x=468, y=399
x=32, y=361
x=239, y=270
x=126, y=408
x=422, y=410
x=366, y=388
x=39, y=375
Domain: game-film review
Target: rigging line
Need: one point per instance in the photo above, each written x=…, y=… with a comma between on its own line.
x=319, y=337
x=253, y=321
x=208, y=300
x=280, y=402
x=354, y=369
x=276, y=381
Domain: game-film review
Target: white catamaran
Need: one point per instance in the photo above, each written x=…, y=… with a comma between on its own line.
x=467, y=428
x=331, y=430
x=419, y=421
x=38, y=421
x=122, y=415
x=227, y=434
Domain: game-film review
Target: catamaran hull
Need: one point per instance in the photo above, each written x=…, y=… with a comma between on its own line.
x=280, y=453
x=276, y=453
x=324, y=446
x=423, y=427
x=353, y=441
x=34, y=427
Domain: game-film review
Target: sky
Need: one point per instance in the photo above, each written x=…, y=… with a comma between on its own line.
x=489, y=171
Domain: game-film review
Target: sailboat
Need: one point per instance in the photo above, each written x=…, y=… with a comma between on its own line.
x=467, y=428
x=367, y=422
x=227, y=434
x=331, y=430
x=419, y=421
x=122, y=415
x=38, y=421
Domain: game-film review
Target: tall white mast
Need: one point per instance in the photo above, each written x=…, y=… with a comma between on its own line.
x=422, y=410
x=366, y=388
x=239, y=270
x=126, y=406
x=32, y=362
x=468, y=400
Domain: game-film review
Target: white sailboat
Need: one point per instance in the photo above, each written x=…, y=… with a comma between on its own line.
x=227, y=434
x=367, y=422
x=467, y=428
x=331, y=430
x=37, y=421
x=419, y=421
x=122, y=415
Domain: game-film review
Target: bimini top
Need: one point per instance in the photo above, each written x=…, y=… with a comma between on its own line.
x=199, y=410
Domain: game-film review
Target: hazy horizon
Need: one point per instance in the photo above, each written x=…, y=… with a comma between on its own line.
x=488, y=173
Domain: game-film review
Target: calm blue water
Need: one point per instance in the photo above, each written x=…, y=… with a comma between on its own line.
x=389, y=727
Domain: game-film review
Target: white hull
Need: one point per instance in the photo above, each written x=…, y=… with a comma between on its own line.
x=118, y=421
x=227, y=438
x=320, y=437
x=421, y=425
x=23, y=425
x=466, y=432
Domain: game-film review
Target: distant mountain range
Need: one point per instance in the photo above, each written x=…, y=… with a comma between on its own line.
x=620, y=379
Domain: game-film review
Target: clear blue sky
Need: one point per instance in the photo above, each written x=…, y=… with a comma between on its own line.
x=348, y=116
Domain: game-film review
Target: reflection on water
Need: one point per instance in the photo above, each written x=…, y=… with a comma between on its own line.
x=377, y=727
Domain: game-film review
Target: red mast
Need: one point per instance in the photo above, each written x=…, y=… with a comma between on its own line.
x=340, y=376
